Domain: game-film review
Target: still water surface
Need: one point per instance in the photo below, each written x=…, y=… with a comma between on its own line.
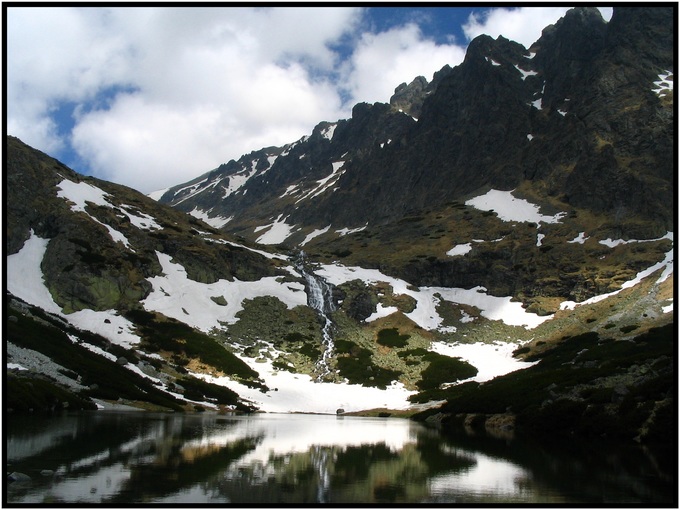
x=131, y=458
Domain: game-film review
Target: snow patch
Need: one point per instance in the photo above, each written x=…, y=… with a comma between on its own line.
x=381, y=311
x=666, y=264
x=277, y=232
x=525, y=73
x=345, y=231
x=293, y=188
x=215, y=222
x=329, y=132
x=80, y=193
x=26, y=281
x=491, y=360
x=613, y=243
x=188, y=301
x=157, y=195
x=580, y=238
x=427, y=298
x=237, y=181
x=459, y=249
x=139, y=219
x=300, y=393
x=325, y=183
x=665, y=83
x=509, y=208
x=314, y=234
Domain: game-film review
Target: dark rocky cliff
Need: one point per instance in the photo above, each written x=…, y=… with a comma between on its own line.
x=575, y=116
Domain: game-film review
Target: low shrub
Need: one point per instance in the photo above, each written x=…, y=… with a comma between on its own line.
x=444, y=369
x=391, y=338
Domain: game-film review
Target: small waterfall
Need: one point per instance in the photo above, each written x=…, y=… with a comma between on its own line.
x=320, y=298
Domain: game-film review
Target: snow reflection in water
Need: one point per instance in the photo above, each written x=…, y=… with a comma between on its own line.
x=127, y=458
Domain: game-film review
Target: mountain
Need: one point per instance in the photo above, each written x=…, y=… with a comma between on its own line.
x=579, y=123
x=493, y=246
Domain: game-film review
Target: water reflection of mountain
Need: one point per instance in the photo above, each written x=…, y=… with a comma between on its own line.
x=127, y=458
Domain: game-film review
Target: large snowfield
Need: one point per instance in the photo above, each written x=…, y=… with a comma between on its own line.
x=175, y=295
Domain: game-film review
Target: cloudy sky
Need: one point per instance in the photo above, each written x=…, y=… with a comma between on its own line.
x=151, y=97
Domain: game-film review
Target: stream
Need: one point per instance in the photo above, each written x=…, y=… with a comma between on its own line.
x=320, y=298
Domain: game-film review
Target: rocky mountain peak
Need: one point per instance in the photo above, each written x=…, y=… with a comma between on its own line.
x=409, y=98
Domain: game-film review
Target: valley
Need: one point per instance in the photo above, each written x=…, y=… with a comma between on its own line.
x=492, y=261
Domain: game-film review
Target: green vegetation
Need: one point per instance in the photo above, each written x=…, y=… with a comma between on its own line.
x=197, y=389
x=105, y=379
x=586, y=386
x=171, y=335
x=356, y=365
x=444, y=369
x=391, y=338
x=23, y=394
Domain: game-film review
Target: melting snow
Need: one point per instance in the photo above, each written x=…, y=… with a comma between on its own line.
x=278, y=232
x=509, y=208
x=580, y=239
x=425, y=313
x=314, y=234
x=195, y=189
x=26, y=281
x=329, y=131
x=345, y=231
x=491, y=360
x=140, y=220
x=188, y=301
x=290, y=190
x=525, y=73
x=459, y=249
x=612, y=243
x=156, y=195
x=381, y=311
x=80, y=193
x=325, y=183
x=666, y=264
x=300, y=393
x=664, y=84
x=215, y=222
x=237, y=181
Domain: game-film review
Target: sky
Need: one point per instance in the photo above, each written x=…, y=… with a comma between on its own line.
x=152, y=97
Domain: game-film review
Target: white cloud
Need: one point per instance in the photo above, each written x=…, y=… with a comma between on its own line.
x=383, y=61
x=523, y=24
x=165, y=94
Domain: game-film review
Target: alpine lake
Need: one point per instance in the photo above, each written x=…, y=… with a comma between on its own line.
x=140, y=458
